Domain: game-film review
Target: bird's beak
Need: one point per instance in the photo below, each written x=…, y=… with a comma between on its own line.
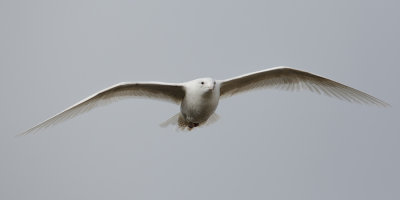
x=212, y=87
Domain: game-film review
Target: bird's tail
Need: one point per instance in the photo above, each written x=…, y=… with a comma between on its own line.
x=176, y=120
x=182, y=124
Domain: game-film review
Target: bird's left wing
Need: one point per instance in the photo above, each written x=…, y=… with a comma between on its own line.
x=164, y=91
x=292, y=79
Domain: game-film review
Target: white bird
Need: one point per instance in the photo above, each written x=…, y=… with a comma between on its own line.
x=199, y=98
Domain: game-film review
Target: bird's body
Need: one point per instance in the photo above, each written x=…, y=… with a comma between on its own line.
x=200, y=102
x=199, y=98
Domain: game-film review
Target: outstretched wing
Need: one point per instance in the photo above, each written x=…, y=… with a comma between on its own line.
x=292, y=79
x=164, y=91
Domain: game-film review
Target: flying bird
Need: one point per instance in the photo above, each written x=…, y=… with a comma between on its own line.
x=199, y=98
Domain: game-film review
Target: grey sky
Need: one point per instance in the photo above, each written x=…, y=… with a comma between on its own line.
x=268, y=144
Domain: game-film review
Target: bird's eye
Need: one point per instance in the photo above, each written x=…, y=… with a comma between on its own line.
x=202, y=82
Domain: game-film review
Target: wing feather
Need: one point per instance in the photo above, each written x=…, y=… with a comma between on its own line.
x=292, y=79
x=163, y=91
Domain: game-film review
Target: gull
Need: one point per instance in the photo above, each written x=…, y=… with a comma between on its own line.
x=199, y=98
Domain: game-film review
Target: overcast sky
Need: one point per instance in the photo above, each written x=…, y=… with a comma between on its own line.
x=268, y=144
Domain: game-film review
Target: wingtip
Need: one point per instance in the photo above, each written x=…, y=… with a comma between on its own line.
x=32, y=130
x=21, y=134
x=385, y=105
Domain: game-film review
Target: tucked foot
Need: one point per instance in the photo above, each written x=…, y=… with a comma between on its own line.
x=192, y=125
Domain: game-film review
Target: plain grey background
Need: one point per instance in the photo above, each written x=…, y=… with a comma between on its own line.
x=268, y=144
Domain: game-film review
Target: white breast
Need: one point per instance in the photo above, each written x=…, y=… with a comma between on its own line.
x=198, y=106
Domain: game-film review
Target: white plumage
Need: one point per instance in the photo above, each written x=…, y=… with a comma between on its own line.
x=199, y=98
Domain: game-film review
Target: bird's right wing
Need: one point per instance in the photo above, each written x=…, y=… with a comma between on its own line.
x=164, y=91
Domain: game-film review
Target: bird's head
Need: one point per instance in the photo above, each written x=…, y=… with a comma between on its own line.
x=205, y=85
